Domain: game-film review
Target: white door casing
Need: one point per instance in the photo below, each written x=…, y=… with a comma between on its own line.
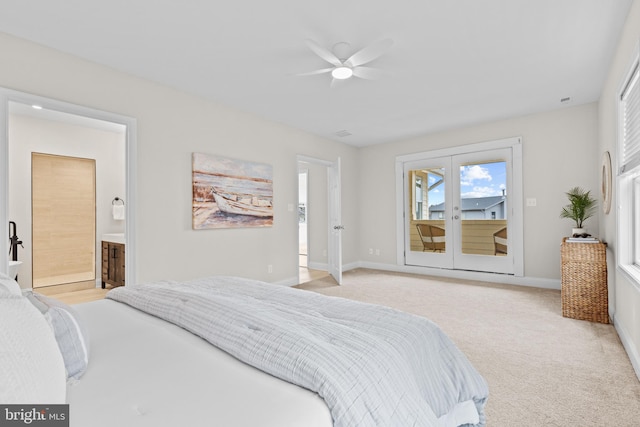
x=449, y=162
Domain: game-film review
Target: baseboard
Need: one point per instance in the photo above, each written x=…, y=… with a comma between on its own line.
x=292, y=281
x=325, y=266
x=64, y=288
x=536, y=282
x=318, y=266
x=627, y=343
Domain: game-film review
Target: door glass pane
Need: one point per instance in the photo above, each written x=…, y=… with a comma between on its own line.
x=427, y=207
x=483, y=208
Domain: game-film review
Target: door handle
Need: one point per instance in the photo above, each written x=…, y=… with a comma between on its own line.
x=456, y=217
x=338, y=227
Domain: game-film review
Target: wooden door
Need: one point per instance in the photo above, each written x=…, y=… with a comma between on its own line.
x=63, y=219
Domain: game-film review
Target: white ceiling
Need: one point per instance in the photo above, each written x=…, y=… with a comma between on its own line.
x=454, y=62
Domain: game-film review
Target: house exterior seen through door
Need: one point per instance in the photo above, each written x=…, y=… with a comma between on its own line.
x=462, y=210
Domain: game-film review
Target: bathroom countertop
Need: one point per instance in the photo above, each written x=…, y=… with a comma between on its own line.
x=113, y=237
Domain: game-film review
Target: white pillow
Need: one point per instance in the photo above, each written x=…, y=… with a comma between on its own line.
x=31, y=366
x=69, y=330
x=9, y=286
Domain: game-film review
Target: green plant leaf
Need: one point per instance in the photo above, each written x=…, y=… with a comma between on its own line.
x=581, y=206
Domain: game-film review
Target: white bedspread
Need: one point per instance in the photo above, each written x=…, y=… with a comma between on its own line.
x=372, y=365
x=145, y=372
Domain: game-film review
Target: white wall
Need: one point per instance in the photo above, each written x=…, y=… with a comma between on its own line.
x=170, y=126
x=30, y=134
x=558, y=153
x=624, y=296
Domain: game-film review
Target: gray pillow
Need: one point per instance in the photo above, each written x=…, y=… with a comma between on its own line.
x=70, y=332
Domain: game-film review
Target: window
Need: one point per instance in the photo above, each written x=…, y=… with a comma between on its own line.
x=428, y=185
x=628, y=179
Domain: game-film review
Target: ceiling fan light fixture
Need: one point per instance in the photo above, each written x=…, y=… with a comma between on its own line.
x=342, y=73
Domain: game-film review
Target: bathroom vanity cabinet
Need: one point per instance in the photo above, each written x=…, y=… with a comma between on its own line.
x=113, y=266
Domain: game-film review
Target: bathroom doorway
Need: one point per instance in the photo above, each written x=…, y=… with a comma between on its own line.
x=68, y=130
x=61, y=138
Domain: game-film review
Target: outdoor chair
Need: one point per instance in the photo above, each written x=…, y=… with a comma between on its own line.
x=432, y=237
x=500, y=241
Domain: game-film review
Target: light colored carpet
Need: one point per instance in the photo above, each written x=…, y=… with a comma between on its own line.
x=543, y=369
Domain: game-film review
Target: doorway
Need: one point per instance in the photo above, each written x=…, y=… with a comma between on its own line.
x=318, y=211
x=463, y=209
x=18, y=159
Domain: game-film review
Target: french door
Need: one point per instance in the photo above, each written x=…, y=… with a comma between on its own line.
x=458, y=213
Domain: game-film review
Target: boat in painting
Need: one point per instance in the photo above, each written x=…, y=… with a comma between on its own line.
x=242, y=204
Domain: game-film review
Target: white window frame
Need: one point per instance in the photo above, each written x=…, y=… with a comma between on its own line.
x=628, y=193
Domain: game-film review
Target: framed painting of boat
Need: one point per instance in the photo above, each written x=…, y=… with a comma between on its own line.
x=231, y=193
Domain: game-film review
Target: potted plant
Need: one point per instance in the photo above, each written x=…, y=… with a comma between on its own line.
x=580, y=208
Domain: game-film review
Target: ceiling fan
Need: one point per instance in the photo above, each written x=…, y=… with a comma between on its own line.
x=345, y=66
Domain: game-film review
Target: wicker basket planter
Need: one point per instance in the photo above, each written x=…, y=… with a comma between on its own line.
x=584, y=281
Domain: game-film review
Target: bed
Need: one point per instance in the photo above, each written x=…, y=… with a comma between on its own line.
x=237, y=352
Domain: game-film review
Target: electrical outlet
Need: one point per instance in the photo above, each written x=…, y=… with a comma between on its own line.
x=269, y=268
x=377, y=252
x=531, y=201
x=370, y=251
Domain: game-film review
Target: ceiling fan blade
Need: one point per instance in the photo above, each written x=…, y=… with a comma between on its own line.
x=368, y=73
x=313, y=73
x=369, y=53
x=323, y=53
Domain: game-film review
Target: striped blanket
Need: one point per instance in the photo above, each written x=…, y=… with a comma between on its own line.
x=373, y=365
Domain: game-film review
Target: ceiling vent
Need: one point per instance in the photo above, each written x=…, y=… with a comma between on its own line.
x=343, y=133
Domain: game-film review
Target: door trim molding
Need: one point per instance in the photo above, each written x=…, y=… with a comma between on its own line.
x=9, y=95
x=515, y=143
x=462, y=149
x=301, y=158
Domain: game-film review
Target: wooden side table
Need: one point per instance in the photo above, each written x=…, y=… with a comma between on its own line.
x=584, y=281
